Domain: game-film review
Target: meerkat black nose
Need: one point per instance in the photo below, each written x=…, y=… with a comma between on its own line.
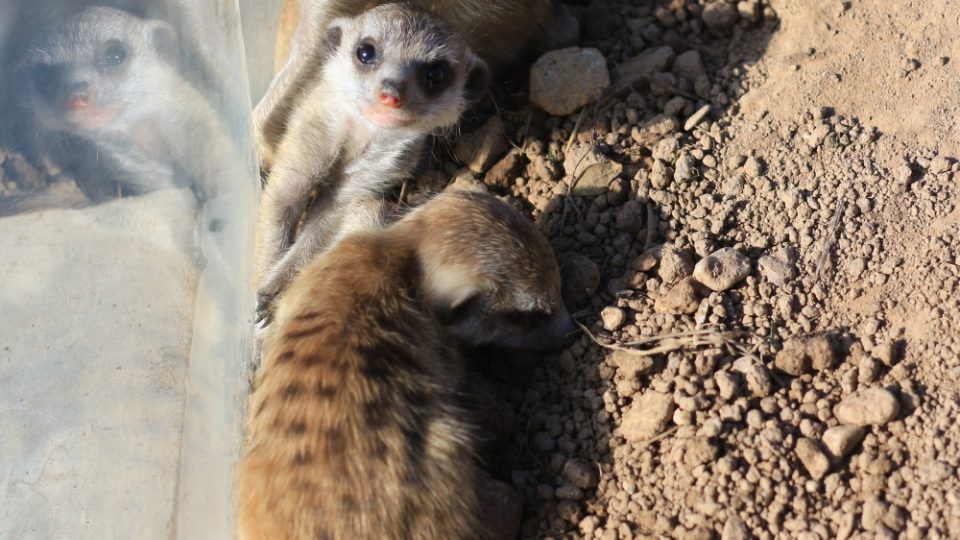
x=391, y=93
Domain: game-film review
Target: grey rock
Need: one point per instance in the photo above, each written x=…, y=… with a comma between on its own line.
x=685, y=168
x=564, y=80
x=719, y=15
x=776, y=270
x=689, y=66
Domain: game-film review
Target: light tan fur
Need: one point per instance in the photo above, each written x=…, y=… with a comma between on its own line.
x=498, y=30
x=144, y=126
x=350, y=148
x=354, y=429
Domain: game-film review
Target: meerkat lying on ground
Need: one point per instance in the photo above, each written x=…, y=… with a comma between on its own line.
x=391, y=76
x=497, y=30
x=354, y=425
x=104, y=85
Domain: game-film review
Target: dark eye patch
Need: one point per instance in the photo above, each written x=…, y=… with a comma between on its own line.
x=436, y=77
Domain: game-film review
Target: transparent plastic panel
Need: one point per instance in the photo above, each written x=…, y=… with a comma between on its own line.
x=128, y=196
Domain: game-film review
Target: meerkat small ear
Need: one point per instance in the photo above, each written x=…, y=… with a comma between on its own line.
x=333, y=37
x=164, y=40
x=477, y=81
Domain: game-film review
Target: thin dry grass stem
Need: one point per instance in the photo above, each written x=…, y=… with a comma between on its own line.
x=576, y=130
x=665, y=343
x=831, y=237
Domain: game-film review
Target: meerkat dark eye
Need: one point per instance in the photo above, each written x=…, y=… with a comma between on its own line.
x=436, y=76
x=114, y=54
x=367, y=53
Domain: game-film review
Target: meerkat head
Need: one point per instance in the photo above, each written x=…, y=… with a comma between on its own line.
x=404, y=68
x=488, y=273
x=89, y=68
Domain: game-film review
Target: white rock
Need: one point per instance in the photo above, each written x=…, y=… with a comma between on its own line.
x=562, y=81
x=813, y=458
x=873, y=406
x=722, y=269
x=613, y=318
x=840, y=440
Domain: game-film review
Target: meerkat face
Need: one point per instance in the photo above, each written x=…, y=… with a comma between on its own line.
x=89, y=69
x=404, y=68
x=490, y=275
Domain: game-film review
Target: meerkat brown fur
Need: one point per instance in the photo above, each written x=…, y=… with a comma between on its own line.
x=497, y=30
x=353, y=427
x=392, y=76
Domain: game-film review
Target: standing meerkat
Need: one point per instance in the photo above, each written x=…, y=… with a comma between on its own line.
x=392, y=75
x=354, y=428
x=497, y=30
x=105, y=84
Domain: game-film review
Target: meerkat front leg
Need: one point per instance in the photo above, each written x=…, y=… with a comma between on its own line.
x=284, y=201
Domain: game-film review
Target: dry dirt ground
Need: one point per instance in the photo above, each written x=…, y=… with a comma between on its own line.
x=803, y=383
x=817, y=396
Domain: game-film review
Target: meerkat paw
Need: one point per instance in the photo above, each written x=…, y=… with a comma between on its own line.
x=264, y=311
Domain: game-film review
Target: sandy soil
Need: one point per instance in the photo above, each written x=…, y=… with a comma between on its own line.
x=817, y=396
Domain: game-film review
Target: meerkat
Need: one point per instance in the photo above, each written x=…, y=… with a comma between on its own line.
x=497, y=30
x=104, y=85
x=392, y=76
x=354, y=428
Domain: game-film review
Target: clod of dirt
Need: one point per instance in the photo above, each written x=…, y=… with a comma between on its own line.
x=481, y=149
x=562, y=81
x=722, y=269
x=679, y=299
x=873, y=406
x=505, y=171
x=647, y=417
x=581, y=474
x=800, y=355
x=674, y=264
x=596, y=179
x=579, y=277
x=501, y=508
